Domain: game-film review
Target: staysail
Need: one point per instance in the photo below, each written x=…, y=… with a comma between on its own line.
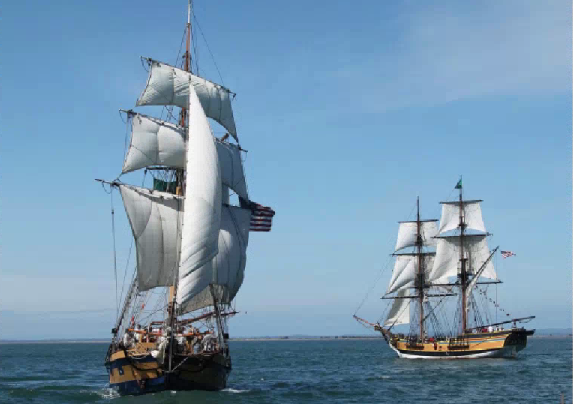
x=155, y=219
x=202, y=216
x=168, y=85
x=228, y=267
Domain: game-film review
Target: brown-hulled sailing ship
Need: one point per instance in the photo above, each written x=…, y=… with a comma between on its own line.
x=445, y=269
x=191, y=229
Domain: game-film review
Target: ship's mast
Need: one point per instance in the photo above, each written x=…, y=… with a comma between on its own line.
x=463, y=272
x=420, y=269
x=180, y=181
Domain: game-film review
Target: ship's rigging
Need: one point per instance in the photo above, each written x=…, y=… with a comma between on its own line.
x=439, y=276
x=190, y=236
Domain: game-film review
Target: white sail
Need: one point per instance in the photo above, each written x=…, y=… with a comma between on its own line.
x=168, y=85
x=155, y=221
x=447, y=260
x=404, y=273
x=228, y=266
x=400, y=311
x=408, y=231
x=202, y=216
x=406, y=270
x=156, y=142
x=232, y=174
x=471, y=215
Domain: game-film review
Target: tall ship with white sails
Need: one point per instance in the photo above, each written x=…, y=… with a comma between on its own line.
x=190, y=229
x=439, y=287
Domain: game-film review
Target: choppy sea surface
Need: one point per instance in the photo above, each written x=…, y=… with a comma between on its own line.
x=321, y=371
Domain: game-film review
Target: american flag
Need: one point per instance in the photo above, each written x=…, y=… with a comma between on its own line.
x=507, y=254
x=261, y=217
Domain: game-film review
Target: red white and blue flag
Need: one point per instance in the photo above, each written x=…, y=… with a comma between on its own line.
x=261, y=217
x=507, y=254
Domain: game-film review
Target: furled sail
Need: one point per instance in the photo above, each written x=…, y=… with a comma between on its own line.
x=406, y=270
x=471, y=215
x=168, y=85
x=202, y=216
x=155, y=142
x=400, y=311
x=155, y=219
x=447, y=259
x=408, y=232
x=228, y=266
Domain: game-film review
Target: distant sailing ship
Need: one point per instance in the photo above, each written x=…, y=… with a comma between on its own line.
x=439, y=277
x=191, y=241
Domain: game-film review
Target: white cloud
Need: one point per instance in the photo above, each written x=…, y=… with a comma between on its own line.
x=452, y=52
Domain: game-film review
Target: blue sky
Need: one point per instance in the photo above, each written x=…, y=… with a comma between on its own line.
x=349, y=111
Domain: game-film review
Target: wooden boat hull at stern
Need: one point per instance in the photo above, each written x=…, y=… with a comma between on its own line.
x=133, y=374
x=496, y=344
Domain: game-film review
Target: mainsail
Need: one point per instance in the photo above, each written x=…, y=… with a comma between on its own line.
x=168, y=85
x=155, y=219
x=399, y=311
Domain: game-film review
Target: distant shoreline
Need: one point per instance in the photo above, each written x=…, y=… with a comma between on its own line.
x=254, y=339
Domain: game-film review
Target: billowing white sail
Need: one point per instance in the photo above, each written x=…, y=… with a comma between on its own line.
x=400, y=311
x=155, y=221
x=168, y=85
x=404, y=273
x=202, y=216
x=406, y=270
x=228, y=266
x=232, y=174
x=155, y=142
x=471, y=215
x=408, y=231
x=447, y=259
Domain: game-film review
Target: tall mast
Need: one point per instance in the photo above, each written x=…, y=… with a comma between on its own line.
x=187, y=62
x=420, y=269
x=180, y=181
x=463, y=273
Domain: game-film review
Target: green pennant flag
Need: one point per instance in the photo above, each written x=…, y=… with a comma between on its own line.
x=459, y=184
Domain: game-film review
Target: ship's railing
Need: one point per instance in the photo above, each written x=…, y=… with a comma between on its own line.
x=458, y=343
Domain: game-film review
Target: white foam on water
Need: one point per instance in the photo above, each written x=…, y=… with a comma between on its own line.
x=108, y=393
x=230, y=390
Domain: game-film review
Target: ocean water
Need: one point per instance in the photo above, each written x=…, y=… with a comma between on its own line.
x=322, y=371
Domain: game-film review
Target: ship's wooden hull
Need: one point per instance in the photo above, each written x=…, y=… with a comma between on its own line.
x=134, y=375
x=468, y=346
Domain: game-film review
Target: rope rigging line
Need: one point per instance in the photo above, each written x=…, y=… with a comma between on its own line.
x=207, y=44
x=381, y=272
x=114, y=252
